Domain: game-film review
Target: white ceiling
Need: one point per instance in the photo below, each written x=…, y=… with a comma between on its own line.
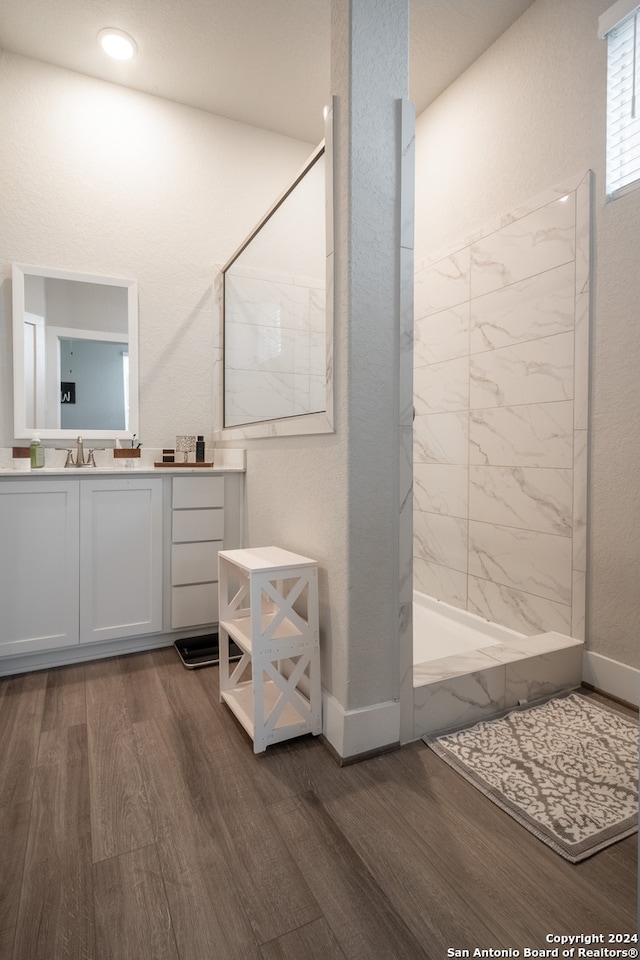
x=262, y=62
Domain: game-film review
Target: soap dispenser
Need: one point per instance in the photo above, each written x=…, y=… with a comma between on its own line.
x=36, y=452
x=200, y=450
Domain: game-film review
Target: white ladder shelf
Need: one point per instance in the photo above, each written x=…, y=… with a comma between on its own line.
x=268, y=605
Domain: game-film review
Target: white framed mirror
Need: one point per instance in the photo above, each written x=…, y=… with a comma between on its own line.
x=75, y=354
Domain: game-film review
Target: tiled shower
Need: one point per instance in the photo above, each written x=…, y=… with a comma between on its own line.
x=501, y=361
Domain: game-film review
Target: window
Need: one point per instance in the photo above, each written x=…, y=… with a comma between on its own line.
x=621, y=27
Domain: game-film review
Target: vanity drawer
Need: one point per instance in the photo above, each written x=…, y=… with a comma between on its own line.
x=197, y=492
x=194, y=605
x=197, y=525
x=194, y=562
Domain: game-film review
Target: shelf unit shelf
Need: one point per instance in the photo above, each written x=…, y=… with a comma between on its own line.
x=268, y=603
x=240, y=701
x=286, y=637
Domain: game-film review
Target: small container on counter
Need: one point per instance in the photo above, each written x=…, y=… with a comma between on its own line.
x=36, y=453
x=21, y=458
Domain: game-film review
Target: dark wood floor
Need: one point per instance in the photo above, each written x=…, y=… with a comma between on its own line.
x=136, y=822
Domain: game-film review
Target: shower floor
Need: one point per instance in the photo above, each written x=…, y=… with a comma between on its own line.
x=468, y=669
x=448, y=632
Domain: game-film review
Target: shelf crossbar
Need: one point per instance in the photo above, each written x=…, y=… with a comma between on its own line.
x=289, y=693
x=284, y=606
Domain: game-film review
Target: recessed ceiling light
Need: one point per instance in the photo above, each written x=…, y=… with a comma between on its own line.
x=117, y=43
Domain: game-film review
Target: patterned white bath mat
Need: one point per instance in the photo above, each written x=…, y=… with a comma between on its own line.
x=566, y=770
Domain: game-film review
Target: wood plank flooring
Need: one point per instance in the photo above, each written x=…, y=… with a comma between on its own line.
x=137, y=824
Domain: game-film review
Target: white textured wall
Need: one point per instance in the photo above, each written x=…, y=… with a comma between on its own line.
x=100, y=179
x=527, y=115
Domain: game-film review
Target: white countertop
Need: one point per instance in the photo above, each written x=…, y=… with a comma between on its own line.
x=77, y=472
x=225, y=460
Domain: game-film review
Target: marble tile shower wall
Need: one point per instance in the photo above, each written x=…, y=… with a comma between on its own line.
x=275, y=349
x=500, y=433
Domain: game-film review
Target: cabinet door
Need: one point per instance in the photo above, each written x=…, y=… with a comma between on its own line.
x=194, y=605
x=38, y=565
x=195, y=562
x=193, y=525
x=197, y=492
x=120, y=558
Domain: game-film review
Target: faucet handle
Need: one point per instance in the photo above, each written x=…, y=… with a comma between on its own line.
x=91, y=460
x=69, y=462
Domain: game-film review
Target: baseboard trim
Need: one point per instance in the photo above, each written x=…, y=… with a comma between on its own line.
x=618, y=680
x=358, y=758
x=84, y=652
x=355, y=734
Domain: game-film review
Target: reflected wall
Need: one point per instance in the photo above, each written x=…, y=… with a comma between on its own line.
x=274, y=309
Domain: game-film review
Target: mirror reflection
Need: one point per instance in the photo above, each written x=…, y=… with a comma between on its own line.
x=93, y=384
x=275, y=325
x=75, y=339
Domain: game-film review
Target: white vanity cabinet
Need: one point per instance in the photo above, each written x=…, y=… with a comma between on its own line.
x=99, y=563
x=120, y=557
x=39, y=562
